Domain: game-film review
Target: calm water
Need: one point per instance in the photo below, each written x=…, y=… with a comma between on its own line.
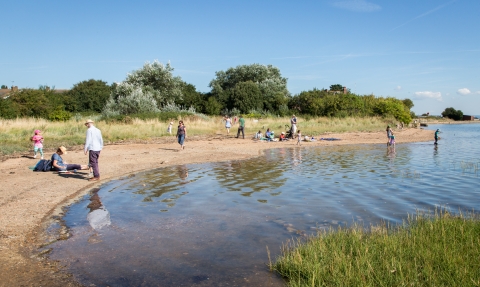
x=210, y=224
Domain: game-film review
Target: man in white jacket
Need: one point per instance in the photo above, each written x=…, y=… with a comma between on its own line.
x=93, y=144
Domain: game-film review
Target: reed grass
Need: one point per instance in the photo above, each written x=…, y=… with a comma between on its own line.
x=15, y=134
x=437, y=249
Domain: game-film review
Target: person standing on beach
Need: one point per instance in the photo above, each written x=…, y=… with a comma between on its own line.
x=181, y=134
x=93, y=145
x=293, y=123
x=299, y=138
x=37, y=144
x=228, y=123
x=241, y=127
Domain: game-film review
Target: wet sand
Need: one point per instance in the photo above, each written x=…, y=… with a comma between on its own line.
x=29, y=200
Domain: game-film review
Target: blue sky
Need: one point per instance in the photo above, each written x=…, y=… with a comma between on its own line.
x=428, y=51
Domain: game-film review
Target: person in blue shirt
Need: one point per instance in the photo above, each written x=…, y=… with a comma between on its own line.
x=436, y=136
x=59, y=165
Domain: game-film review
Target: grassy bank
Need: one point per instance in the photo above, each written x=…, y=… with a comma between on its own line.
x=438, y=250
x=15, y=134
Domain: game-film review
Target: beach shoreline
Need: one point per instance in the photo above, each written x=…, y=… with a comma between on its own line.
x=29, y=200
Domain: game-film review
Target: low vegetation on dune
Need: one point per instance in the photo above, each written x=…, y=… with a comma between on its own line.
x=15, y=134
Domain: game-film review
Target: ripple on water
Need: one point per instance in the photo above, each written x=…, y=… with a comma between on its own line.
x=209, y=224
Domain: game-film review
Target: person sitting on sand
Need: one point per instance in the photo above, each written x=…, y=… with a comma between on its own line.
x=268, y=135
x=282, y=137
x=59, y=165
x=258, y=135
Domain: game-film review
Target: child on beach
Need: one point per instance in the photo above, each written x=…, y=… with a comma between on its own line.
x=37, y=144
x=299, y=137
x=258, y=135
x=169, y=129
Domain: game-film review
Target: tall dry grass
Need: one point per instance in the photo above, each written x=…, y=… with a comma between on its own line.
x=15, y=134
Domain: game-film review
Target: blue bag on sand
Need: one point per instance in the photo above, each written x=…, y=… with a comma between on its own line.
x=43, y=165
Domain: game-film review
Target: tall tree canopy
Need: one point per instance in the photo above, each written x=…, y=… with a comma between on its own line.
x=89, y=95
x=231, y=86
x=453, y=114
x=336, y=87
x=145, y=90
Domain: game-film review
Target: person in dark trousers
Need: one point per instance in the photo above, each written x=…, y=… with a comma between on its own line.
x=93, y=145
x=436, y=136
x=241, y=127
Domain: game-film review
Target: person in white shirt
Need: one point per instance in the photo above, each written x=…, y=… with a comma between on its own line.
x=93, y=145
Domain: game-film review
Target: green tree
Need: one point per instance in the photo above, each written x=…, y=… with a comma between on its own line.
x=191, y=98
x=247, y=96
x=145, y=90
x=4, y=87
x=157, y=79
x=336, y=87
x=212, y=106
x=408, y=103
x=7, y=109
x=90, y=95
x=31, y=103
x=453, y=114
x=268, y=79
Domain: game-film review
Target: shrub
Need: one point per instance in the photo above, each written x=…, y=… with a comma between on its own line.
x=59, y=115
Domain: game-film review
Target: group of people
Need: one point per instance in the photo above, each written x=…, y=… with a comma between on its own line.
x=391, y=137
x=241, y=125
x=268, y=134
x=93, y=146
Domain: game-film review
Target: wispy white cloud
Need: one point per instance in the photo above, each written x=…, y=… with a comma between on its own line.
x=429, y=95
x=424, y=14
x=398, y=88
x=357, y=5
x=465, y=91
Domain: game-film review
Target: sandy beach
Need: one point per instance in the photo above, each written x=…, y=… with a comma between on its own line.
x=29, y=200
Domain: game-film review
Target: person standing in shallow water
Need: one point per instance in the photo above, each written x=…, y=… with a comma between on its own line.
x=436, y=136
x=389, y=135
x=181, y=134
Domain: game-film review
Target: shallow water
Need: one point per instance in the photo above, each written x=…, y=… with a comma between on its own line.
x=210, y=224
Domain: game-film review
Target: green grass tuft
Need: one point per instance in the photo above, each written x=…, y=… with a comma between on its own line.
x=427, y=250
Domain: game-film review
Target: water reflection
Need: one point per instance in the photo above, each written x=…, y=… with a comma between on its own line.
x=209, y=223
x=98, y=216
x=182, y=172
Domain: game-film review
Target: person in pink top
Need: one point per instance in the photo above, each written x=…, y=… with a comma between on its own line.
x=37, y=140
